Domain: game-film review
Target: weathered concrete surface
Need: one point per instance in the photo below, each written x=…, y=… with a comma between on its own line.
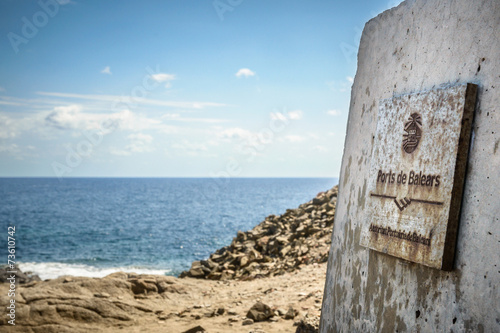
x=419, y=46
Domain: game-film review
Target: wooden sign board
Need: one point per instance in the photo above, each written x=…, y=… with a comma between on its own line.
x=417, y=175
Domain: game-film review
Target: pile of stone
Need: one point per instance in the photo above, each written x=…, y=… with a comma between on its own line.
x=277, y=245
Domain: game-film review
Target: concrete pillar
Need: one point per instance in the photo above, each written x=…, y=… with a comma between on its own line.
x=421, y=45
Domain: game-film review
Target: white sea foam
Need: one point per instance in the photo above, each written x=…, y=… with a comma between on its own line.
x=52, y=270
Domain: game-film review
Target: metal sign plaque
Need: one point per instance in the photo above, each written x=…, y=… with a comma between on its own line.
x=417, y=175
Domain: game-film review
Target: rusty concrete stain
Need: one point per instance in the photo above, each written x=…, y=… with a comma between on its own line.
x=347, y=172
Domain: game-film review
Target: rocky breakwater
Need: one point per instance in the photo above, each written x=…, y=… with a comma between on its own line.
x=277, y=245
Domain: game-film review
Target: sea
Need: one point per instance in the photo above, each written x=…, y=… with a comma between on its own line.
x=96, y=226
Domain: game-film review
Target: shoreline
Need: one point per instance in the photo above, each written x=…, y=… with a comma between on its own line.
x=121, y=303
x=270, y=278
x=83, y=270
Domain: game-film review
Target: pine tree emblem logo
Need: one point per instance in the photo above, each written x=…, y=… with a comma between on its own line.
x=413, y=130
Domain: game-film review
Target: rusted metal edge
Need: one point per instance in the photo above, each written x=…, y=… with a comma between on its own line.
x=448, y=258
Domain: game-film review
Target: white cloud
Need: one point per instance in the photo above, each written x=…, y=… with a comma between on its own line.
x=9, y=148
x=278, y=116
x=314, y=136
x=185, y=145
x=241, y=138
x=171, y=116
x=295, y=115
x=119, y=152
x=140, y=137
x=162, y=77
x=192, y=149
x=127, y=120
x=75, y=119
x=341, y=86
x=138, y=143
x=69, y=117
x=7, y=127
x=203, y=120
x=320, y=149
x=294, y=138
x=11, y=126
x=236, y=133
x=31, y=103
x=18, y=152
x=106, y=70
x=10, y=103
x=333, y=112
x=286, y=116
x=72, y=117
x=2, y=89
x=178, y=117
x=117, y=101
x=244, y=72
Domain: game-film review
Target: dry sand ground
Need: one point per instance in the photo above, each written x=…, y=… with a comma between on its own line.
x=171, y=311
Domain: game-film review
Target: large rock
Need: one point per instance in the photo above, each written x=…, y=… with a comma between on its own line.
x=291, y=313
x=196, y=270
x=197, y=329
x=308, y=324
x=259, y=312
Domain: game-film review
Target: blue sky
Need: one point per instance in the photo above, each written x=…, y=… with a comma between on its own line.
x=180, y=88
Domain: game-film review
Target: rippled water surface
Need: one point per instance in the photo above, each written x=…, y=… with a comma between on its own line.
x=95, y=226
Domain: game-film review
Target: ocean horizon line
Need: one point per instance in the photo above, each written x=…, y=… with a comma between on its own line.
x=153, y=177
